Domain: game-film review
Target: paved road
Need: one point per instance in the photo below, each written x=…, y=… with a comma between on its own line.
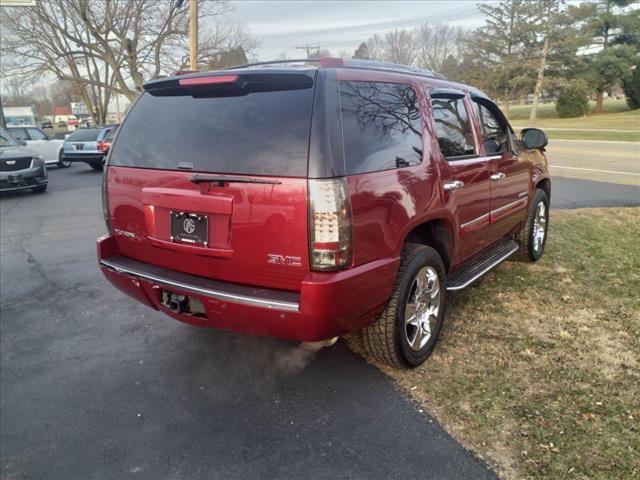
x=576, y=193
x=613, y=162
x=94, y=385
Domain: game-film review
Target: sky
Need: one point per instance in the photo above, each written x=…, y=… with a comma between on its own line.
x=341, y=25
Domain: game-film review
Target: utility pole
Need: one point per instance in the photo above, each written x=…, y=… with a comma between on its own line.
x=3, y=122
x=193, y=34
x=307, y=48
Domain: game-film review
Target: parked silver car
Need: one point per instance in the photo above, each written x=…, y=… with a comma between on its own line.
x=88, y=145
x=20, y=167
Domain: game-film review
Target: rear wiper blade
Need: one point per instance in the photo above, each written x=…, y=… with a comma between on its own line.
x=220, y=180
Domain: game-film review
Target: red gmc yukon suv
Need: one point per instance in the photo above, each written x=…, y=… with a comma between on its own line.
x=307, y=201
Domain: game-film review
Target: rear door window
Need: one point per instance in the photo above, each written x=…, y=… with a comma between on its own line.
x=453, y=128
x=260, y=133
x=381, y=126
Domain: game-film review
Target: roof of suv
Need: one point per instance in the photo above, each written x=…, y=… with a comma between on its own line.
x=308, y=64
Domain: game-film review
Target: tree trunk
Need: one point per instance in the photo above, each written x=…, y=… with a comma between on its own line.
x=506, y=102
x=599, y=101
x=536, y=93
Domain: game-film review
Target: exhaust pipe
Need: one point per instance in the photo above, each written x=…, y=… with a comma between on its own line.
x=315, y=346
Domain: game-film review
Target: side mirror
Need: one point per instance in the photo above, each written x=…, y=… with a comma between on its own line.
x=491, y=146
x=534, y=138
x=22, y=142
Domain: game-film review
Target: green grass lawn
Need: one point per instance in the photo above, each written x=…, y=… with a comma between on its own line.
x=538, y=365
x=548, y=110
x=619, y=136
x=624, y=124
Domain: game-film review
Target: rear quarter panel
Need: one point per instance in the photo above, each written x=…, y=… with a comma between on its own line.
x=387, y=205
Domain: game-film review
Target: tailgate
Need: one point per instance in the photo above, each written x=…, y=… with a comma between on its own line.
x=256, y=233
x=215, y=185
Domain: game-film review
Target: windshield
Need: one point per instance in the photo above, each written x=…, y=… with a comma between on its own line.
x=265, y=133
x=7, y=140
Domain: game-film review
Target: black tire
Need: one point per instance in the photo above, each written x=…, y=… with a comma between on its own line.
x=96, y=166
x=387, y=338
x=40, y=188
x=63, y=163
x=531, y=249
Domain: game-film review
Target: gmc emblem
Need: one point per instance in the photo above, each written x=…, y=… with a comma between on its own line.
x=284, y=260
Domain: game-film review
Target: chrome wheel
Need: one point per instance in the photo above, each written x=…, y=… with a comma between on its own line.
x=539, y=226
x=421, y=310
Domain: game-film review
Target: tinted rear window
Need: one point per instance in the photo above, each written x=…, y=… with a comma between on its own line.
x=84, y=135
x=264, y=133
x=381, y=125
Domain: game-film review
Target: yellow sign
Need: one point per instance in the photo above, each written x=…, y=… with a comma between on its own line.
x=18, y=3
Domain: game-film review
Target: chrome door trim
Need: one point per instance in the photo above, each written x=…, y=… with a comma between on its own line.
x=506, y=207
x=479, y=219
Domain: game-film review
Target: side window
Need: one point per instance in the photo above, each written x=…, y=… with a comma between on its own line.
x=453, y=127
x=19, y=134
x=494, y=129
x=381, y=126
x=36, y=134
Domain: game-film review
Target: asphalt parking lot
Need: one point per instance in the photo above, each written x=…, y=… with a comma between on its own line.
x=94, y=385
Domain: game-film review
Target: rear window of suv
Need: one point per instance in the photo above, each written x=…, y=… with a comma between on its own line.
x=84, y=135
x=261, y=133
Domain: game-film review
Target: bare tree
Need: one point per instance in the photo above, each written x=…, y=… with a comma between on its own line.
x=225, y=45
x=439, y=42
x=376, y=47
x=106, y=45
x=398, y=46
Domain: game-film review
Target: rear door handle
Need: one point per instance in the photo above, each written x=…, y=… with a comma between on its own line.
x=498, y=176
x=453, y=186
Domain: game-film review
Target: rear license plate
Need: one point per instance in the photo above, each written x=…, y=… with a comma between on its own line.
x=79, y=146
x=190, y=228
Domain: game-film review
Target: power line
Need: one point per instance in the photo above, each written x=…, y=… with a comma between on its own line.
x=307, y=48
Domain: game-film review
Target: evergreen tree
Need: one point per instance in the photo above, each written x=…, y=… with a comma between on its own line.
x=362, y=52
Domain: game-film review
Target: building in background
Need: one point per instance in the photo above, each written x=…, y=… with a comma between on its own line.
x=20, y=116
x=64, y=114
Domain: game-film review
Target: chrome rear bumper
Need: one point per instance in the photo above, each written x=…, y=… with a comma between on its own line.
x=241, y=294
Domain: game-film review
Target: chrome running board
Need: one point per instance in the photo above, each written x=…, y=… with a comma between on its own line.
x=473, y=271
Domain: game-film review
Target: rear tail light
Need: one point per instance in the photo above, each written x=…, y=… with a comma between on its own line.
x=105, y=200
x=329, y=224
x=103, y=146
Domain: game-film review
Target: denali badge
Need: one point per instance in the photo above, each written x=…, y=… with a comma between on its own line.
x=282, y=260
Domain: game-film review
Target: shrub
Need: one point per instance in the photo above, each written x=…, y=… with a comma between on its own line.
x=631, y=86
x=572, y=100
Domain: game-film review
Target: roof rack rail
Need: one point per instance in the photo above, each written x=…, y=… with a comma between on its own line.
x=350, y=63
x=275, y=62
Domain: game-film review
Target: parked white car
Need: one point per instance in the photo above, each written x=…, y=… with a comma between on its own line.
x=50, y=149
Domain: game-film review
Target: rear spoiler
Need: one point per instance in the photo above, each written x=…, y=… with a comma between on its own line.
x=226, y=84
